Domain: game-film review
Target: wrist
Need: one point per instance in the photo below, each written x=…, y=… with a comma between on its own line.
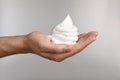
x=26, y=45
x=23, y=45
x=14, y=45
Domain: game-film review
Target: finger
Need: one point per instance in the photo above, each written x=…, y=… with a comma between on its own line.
x=58, y=48
x=90, y=37
x=81, y=35
x=83, y=42
x=86, y=40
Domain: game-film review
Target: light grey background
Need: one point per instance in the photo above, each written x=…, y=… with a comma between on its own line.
x=99, y=61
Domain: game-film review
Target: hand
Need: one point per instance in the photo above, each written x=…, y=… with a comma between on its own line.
x=42, y=45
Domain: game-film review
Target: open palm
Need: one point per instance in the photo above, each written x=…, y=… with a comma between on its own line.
x=42, y=45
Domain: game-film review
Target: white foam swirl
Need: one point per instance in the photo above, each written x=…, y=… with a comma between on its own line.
x=65, y=33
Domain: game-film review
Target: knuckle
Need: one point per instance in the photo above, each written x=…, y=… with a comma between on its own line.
x=33, y=33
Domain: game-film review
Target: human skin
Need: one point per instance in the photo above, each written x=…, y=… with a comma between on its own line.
x=40, y=44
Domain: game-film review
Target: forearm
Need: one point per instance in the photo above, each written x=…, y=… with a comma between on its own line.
x=13, y=45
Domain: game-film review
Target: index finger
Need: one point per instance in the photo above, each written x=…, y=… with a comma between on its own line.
x=85, y=40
